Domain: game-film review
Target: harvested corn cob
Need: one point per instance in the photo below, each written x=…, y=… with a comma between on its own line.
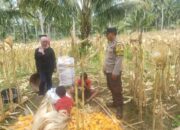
x=93, y=121
x=23, y=123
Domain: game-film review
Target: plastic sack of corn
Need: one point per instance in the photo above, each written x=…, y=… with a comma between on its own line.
x=65, y=68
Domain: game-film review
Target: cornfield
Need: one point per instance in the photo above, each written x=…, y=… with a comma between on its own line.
x=151, y=79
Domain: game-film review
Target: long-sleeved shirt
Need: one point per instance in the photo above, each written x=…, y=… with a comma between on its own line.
x=113, y=58
x=45, y=62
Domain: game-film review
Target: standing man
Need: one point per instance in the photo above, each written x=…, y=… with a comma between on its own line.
x=45, y=64
x=112, y=69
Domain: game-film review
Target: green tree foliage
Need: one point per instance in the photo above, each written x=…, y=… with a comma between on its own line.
x=26, y=19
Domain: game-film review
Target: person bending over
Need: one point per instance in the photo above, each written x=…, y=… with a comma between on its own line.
x=89, y=91
x=64, y=102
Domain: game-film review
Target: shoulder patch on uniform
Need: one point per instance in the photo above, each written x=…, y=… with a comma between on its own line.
x=119, y=49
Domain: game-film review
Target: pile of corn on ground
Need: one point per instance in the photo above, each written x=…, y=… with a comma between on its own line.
x=23, y=123
x=86, y=121
x=92, y=121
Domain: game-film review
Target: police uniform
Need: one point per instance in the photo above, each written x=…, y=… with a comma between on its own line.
x=113, y=66
x=114, y=57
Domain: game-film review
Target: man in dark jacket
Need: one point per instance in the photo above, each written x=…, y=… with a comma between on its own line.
x=45, y=64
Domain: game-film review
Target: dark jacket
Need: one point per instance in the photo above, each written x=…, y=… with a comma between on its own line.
x=46, y=62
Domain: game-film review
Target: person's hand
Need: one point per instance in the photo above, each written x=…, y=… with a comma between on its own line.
x=114, y=77
x=47, y=46
x=41, y=50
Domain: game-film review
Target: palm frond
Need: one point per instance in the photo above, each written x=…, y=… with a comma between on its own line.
x=114, y=13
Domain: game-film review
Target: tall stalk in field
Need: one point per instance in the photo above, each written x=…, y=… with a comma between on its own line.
x=157, y=104
x=73, y=36
x=101, y=57
x=168, y=72
x=2, y=108
x=83, y=89
x=139, y=95
x=160, y=59
x=4, y=63
x=9, y=41
x=177, y=71
x=77, y=106
x=85, y=17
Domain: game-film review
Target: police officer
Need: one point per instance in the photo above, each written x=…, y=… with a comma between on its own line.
x=112, y=69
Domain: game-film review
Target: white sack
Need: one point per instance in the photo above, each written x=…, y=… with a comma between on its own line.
x=65, y=68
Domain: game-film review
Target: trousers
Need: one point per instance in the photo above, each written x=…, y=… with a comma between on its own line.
x=45, y=81
x=115, y=86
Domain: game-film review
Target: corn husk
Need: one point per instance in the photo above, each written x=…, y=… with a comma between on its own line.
x=160, y=58
x=1, y=46
x=9, y=41
x=51, y=121
x=47, y=118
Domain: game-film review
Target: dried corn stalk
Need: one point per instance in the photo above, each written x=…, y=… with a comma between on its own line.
x=138, y=81
x=47, y=118
x=160, y=59
x=177, y=71
x=2, y=109
x=9, y=41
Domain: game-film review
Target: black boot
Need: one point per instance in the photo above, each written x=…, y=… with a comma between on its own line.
x=119, y=113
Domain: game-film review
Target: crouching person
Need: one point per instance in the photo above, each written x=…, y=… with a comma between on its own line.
x=89, y=91
x=64, y=102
